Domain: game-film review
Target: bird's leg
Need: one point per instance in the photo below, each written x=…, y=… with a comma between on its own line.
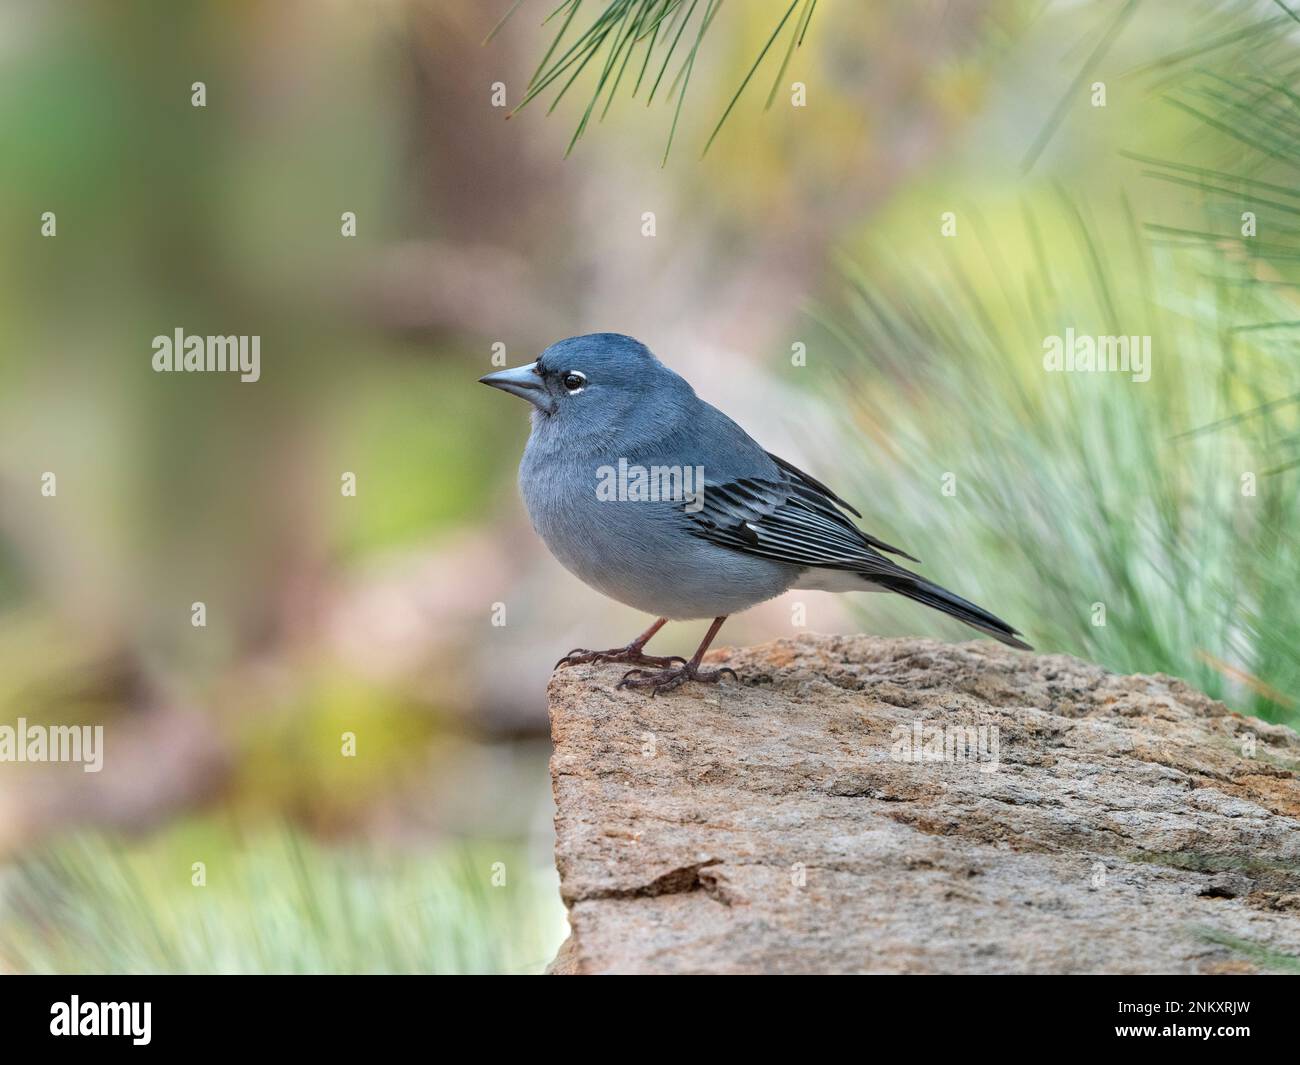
x=631, y=653
x=665, y=680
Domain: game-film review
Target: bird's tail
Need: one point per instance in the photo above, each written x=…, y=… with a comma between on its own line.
x=922, y=591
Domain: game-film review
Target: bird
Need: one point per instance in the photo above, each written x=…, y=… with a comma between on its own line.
x=658, y=500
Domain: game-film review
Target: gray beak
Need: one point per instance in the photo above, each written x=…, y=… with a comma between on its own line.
x=521, y=381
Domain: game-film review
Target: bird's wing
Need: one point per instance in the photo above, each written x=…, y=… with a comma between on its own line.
x=783, y=519
x=788, y=518
x=812, y=483
x=820, y=496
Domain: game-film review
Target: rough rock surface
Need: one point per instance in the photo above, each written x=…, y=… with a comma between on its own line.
x=1122, y=823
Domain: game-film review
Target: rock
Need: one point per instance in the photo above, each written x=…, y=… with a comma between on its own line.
x=791, y=823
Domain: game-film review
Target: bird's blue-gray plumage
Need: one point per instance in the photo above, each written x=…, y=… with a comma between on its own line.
x=762, y=526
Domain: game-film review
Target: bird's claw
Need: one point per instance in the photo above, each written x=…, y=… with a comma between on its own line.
x=581, y=656
x=665, y=680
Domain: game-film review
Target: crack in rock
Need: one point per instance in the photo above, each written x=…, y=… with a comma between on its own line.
x=680, y=881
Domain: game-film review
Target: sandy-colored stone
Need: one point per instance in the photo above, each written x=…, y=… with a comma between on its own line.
x=772, y=826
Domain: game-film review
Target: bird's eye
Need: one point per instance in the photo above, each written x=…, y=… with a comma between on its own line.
x=573, y=381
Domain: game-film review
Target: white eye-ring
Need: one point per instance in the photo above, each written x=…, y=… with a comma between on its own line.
x=574, y=381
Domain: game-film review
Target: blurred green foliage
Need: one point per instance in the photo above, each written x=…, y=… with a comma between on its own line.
x=1079, y=489
x=275, y=902
x=418, y=407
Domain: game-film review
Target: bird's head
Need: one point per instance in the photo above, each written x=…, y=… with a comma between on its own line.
x=595, y=386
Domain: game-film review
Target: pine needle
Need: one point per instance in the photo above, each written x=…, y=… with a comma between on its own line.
x=618, y=30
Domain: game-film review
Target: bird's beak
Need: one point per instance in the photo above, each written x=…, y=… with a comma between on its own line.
x=521, y=381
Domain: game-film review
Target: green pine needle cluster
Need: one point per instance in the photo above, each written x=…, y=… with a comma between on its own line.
x=633, y=43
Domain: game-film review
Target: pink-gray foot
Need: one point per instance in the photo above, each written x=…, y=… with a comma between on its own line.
x=630, y=654
x=633, y=653
x=665, y=680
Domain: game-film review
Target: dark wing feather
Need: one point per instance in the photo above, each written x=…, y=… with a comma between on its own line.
x=812, y=482
x=787, y=521
x=817, y=494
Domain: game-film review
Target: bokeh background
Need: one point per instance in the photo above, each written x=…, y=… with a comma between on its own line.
x=799, y=275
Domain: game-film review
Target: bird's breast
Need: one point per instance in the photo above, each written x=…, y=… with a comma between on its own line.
x=632, y=542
